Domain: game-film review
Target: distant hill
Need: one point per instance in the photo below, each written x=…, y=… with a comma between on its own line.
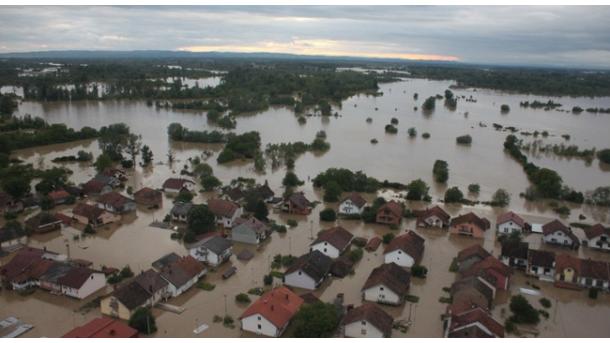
x=169, y=54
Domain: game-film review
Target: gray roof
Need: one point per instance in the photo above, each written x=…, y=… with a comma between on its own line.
x=215, y=244
x=165, y=260
x=181, y=208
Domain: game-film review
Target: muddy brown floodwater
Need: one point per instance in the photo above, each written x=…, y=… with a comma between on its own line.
x=395, y=157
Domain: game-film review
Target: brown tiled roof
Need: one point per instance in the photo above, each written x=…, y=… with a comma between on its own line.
x=41, y=219
x=75, y=277
x=508, y=216
x=515, y=249
x=392, y=207
x=474, y=250
x=252, y=223
x=278, y=306
x=470, y=217
x=315, y=264
x=93, y=186
x=102, y=327
x=596, y=231
x=58, y=195
x=222, y=208
x=553, y=226
x=22, y=263
x=477, y=285
x=147, y=194
x=132, y=295
x=88, y=211
x=541, y=258
x=373, y=244
x=299, y=200
x=473, y=316
x=372, y=314
x=114, y=199
x=409, y=242
x=489, y=262
x=434, y=211
x=390, y=275
x=563, y=261
x=151, y=281
x=174, y=183
x=356, y=199
x=182, y=271
x=337, y=236
x=594, y=269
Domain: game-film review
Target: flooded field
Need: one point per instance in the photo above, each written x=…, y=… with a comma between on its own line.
x=396, y=158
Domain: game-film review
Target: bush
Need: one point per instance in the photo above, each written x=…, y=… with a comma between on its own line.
x=500, y=198
x=417, y=190
x=355, y=255
x=504, y=108
x=291, y=180
x=387, y=238
x=242, y=298
x=546, y=303
x=268, y=280
x=419, y=271
x=604, y=155
x=391, y=129
x=332, y=191
x=316, y=320
x=465, y=139
x=328, y=215
x=206, y=286
x=412, y=132
x=523, y=311
x=292, y=223
x=394, y=121
x=474, y=188
x=453, y=195
x=593, y=292
x=143, y=321
x=440, y=170
x=425, y=135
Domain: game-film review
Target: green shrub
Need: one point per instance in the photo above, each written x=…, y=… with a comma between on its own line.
x=465, y=140
x=328, y=215
x=546, y=303
x=419, y=271
x=242, y=298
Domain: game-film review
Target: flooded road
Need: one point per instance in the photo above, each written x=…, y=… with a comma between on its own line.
x=396, y=158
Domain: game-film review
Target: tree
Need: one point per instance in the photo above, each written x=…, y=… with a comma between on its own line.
x=465, y=140
x=46, y=203
x=500, y=198
x=200, y=219
x=291, y=180
x=474, y=188
x=440, y=170
x=604, y=155
x=412, y=132
x=454, y=194
x=504, y=108
x=210, y=182
x=143, y=321
x=332, y=191
x=548, y=183
x=113, y=140
x=260, y=210
x=147, y=155
x=16, y=186
x=328, y=215
x=523, y=311
x=102, y=162
x=417, y=190
x=316, y=320
x=429, y=104
x=134, y=146
x=184, y=196
x=8, y=105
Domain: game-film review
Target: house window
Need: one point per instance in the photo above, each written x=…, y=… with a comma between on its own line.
x=363, y=322
x=535, y=269
x=259, y=317
x=325, y=249
x=363, y=331
x=259, y=326
x=300, y=272
x=381, y=288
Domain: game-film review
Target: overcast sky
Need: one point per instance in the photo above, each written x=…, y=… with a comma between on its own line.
x=574, y=36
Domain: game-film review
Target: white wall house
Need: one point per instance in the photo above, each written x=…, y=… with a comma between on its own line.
x=94, y=283
x=300, y=279
x=381, y=294
x=399, y=257
x=362, y=329
x=509, y=227
x=176, y=290
x=227, y=222
x=259, y=325
x=349, y=207
x=558, y=238
x=327, y=249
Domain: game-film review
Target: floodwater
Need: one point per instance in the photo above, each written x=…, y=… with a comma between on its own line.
x=395, y=157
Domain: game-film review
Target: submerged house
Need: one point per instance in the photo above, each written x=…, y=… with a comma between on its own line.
x=471, y=255
x=92, y=215
x=557, y=233
x=473, y=323
x=367, y=321
x=469, y=224
x=270, y=314
x=249, y=231
x=387, y=284
x=182, y=274
x=43, y=222
x=405, y=250
x=226, y=211
x=510, y=222
x=213, y=250
x=102, y=327
x=389, y=213
x=514, y=254
x=308, y=271
x=297, y=203
x=116, y=203
x=175, y=185
x=541, y=264
x=332, y=242
x=352, y=204
x=598, y=237
x=11, y=236
x=433, y=217
x=148, y=197
x=180, y=211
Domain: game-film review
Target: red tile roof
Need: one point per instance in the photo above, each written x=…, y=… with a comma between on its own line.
x=372, y=314
x=148, y=196
x=508, y=216
x=337, y=236
x=474, y=250
x=182, y=270
x=392, y=207
x=113, y=199
x=410, y=242
x=103, y=327
x=76, y=277
x=476, y=315
x=174, y=183
x=93, y=186
x=564, y=261
x=470, y=217
x=488, y=263
x=356, y=199
x=222, y=208
x=594, y=269
x=390, y=275
x=277, y=306
x=88, y=211
x=596, y=231
x=58, y=195
x=434, y=211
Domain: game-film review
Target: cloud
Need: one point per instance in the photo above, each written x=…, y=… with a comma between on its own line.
x=572, y=35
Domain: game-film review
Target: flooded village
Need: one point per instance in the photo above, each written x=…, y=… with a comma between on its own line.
x=263, y=249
